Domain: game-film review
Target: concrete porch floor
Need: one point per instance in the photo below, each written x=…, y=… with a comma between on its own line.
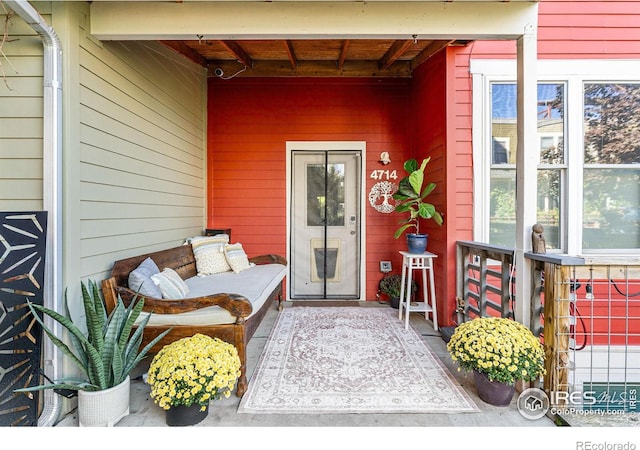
x=494, y=428
x=222, y=413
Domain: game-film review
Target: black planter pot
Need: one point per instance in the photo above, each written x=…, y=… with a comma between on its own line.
x=183, y=416
x=493, y=392
x=417, y=243
x=394, y=302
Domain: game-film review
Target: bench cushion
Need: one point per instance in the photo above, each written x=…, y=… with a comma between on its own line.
x=255, y=283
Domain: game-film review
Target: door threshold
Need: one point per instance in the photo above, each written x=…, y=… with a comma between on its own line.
x=325, y=303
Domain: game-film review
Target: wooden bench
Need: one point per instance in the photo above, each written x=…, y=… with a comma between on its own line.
x=245, y=317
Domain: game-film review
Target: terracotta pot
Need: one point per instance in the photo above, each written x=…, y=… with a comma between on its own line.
x=493, y=392
x=183, y=416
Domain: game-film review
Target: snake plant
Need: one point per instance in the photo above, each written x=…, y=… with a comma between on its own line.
x=109, y=351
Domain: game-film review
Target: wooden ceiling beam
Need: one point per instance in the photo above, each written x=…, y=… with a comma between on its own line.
x=181, y=47
x=291, y=54
x=343, y=53
x=238, y=52
x=429, y=51
x=324, y=68
x=395, y=51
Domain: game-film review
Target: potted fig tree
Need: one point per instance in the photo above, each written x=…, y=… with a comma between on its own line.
x=410, y=198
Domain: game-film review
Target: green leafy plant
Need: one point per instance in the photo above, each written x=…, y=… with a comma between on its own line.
x=390, y=285
x=109, y=351
x=193, y=370
x=410, y=198
x=502, y=348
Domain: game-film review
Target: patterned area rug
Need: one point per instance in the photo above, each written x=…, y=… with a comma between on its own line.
x=349, y=360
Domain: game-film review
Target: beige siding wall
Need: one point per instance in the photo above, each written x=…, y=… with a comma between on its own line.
x=21, y=117
x=137, y=145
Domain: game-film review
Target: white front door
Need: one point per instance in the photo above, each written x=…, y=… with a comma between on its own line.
x=325, y=222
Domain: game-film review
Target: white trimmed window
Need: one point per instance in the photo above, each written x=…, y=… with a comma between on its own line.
x=589, y=145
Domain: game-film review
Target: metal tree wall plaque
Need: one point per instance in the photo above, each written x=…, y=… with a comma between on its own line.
x=22, y=261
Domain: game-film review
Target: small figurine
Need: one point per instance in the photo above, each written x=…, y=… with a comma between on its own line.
x=538, y=243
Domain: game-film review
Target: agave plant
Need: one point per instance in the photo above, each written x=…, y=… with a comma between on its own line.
x=109, y=351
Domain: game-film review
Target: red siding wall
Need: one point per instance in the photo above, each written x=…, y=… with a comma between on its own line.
x=441, y=104
x=580, y=29
x=250, y=121
x=428, y=99
x=589, y=29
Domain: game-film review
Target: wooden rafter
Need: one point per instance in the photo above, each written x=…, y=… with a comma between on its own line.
x=291, y=54
x=429, y=51
x=395, y=51
x=343, y=53
x=240, y=54
x=314, y=57
x=187, y=51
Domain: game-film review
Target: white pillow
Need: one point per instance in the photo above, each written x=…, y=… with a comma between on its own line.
x=209, y=254
x=170, y=284
x=236, y=257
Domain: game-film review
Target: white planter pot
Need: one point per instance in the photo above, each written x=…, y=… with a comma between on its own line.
x=104, y=408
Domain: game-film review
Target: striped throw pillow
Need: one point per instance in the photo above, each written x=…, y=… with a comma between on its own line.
x=209, y=254
x=236, y=257
x=170, y=284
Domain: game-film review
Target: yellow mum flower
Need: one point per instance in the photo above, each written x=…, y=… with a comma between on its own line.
x=503, y=348
x=193, y=370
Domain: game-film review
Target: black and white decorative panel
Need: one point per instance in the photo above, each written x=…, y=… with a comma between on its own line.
x=22, y=261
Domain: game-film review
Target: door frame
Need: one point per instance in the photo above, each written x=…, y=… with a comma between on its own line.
x=332, y=146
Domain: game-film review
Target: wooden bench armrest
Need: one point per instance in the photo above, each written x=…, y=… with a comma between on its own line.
x=268, y=259
x=237, y=305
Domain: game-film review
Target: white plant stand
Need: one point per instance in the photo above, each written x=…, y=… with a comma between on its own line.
x=424, y=263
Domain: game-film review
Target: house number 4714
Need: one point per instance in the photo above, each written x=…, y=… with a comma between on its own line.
x=384, y=175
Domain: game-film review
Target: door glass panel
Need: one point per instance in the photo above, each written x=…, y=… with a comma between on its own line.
x=327, y=199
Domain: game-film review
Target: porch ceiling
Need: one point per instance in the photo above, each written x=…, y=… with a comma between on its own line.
x=312, y=38
x=312, y=57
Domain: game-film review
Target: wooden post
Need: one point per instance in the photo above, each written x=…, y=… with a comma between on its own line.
x=556, y=329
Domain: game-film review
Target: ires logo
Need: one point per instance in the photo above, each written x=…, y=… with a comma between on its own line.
x=597, y=399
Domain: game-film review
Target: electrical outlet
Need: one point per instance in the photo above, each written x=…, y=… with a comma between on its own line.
x=385, y=266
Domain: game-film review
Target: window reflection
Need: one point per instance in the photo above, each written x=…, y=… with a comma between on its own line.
x=504, y=141
x=325, y=200
x=611, y=212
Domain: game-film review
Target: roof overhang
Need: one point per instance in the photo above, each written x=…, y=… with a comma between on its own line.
x=176, y=20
